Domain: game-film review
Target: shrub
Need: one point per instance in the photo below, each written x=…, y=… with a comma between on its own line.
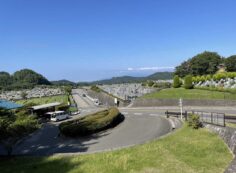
x=150, y=83
x=92, y=123
x=194, y=121
x=95, y=88
x=177, y=82
x=162, y=85
x=188, y=84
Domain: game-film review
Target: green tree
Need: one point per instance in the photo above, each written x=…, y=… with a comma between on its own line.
x=176, y=82
x=13, y=127
x=184, y=69
x=188, y=83
x=150, y=83
x=230, y=63
x=5, y=79
x=68, y=89
x=201, y=64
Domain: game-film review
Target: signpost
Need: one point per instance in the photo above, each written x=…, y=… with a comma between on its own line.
x=181, y=107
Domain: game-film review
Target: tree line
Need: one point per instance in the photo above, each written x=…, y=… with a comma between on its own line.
x=205, y=63
x=25, y=78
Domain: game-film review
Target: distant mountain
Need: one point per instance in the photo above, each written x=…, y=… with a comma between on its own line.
x=130, y=79
x=63, y=82
x=160, y=76
x=21, y=79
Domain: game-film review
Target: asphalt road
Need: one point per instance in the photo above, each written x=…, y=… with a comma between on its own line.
x=137, y=128
x=140, y=125
x=82, y=102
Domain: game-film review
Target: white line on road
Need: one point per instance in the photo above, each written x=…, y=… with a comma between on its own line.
x=124, y=113
x=138, y=113
x=154, y=115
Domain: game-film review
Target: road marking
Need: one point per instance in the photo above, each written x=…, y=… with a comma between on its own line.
x=154, y=115
x=138, y=113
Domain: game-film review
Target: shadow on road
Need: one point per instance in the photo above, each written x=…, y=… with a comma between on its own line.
x=48, y=141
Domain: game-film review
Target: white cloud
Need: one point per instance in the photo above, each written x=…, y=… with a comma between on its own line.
x=130, y=69
x=150, y=68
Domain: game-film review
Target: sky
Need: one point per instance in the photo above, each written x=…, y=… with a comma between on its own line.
x=86, y=40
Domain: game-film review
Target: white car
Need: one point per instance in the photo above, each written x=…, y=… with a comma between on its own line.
x=58, y=115
x=75, y=113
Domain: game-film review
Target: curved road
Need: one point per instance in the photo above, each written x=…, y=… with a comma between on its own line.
x=135, y=129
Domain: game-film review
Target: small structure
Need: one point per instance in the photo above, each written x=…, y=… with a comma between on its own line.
x=40, y=110
x=9, y=105
x=221, y=68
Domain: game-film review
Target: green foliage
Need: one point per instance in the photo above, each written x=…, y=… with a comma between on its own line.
x=22, y=79
x=68, y=89
x=194, y=121
x=63, y=107
x=15, y=126
x=150, y=83
x=162, y=85
x=95, y=88
x=197, y=93
x=186, y=151
x=91, y=123
x=188, y=83
x=230, y=63
x=176, y=83
x=44, y=100
x=5, y=79
x=201, y=64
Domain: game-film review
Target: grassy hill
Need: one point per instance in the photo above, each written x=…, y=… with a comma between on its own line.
x=187, y=150
x=176, y=93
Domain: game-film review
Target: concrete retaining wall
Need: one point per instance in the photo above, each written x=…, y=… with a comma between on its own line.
x=104, y=98
x=228, y=134
x=186, y=102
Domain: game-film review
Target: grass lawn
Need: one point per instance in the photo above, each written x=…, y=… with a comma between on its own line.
x=231, y=125
x=45, y=100
x=185, y=151
x=176, y=93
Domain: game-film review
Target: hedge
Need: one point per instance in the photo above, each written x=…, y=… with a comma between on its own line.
x=92, y=123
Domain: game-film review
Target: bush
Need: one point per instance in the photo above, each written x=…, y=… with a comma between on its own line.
x=194, y=121
x=150, y=83
x=95, y=88
x=188, y=83
x=162, y=85
x=92, y=123
x=177, y=82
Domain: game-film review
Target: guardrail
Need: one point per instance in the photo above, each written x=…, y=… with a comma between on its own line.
x=205, y=117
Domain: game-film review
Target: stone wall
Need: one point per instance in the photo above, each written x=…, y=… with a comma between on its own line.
x=186, y=102
x=228, y=134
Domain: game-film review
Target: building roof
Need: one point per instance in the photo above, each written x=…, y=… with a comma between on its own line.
x=44, y=106
x=9, y=105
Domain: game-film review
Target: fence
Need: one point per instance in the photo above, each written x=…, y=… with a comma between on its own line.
x=211, y=117
x=205, y=117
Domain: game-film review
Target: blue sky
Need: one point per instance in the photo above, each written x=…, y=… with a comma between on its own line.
x=84, y=40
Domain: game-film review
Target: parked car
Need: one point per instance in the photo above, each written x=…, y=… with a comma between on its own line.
x=75, y=113
x=58, y=115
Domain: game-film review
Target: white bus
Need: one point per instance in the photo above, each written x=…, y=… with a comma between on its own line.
x=58, y=115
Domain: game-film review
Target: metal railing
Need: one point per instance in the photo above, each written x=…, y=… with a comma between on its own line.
x=211, y=117
x=205, y=117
